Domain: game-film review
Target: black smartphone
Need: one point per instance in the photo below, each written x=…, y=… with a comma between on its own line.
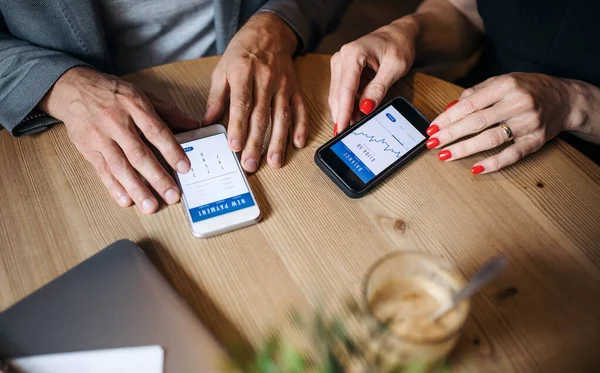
x=366, y=153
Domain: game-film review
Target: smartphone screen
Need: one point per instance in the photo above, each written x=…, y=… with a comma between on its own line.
x=375, y=145
x=215, y=184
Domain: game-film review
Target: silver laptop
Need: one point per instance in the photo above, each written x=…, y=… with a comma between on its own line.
x=117, y=298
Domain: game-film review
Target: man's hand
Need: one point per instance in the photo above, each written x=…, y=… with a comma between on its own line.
x=106, y=118
x=257, y=72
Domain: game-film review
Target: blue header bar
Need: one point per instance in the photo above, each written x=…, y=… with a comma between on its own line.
x=222, y=207
x=352, y=161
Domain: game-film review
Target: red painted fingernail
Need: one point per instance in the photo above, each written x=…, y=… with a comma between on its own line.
x=432, y=143
x=451, y=104
x=433, y=129
x=477, y=170
x=444, y=155
x=335, y=130
x=367, y=106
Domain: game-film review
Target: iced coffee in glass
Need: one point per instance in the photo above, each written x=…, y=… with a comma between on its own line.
x=402, y=293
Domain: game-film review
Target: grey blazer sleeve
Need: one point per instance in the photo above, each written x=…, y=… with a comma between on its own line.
x=310, y=19
x=27, y=72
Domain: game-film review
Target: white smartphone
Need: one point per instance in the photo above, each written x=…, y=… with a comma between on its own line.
x=215, y=192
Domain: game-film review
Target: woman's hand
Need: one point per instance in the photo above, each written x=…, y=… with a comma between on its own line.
x=257, y=74
x=535, y=107
x=389, y=51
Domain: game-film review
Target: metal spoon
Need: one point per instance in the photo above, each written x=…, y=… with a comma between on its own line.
x=485, y=275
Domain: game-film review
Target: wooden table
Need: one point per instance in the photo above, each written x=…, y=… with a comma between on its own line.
x=542, y=315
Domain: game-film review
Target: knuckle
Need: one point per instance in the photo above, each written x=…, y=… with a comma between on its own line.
x=527, y=101
x=467, y=92
x=477, y=122
x=451, y=131
x=267, y=75
x=493, y=139
x=118, y=165
x=155, y=132
x=349, y=49
x=460, y=150
x=261, y=119
x=510, y=81
x=378, y=89
x=242, y=103
x=159, y=181
x=536, y=121
x=335, y=59
x=285, y=117
x=468, y=105
x=254, y=146
x=494, y=163
x=519, y=153
x=138, y=155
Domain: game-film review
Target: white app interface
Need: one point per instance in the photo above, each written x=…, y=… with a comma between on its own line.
x=215, y=184
x=374, y=146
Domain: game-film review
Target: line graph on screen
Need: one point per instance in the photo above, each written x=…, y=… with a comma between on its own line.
x=383, y=141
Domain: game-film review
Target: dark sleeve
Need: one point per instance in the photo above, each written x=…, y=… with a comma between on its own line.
x=310, y=19
x=27, y=72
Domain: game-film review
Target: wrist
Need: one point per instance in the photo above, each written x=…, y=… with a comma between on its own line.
x=279, y=36
x=583, y=98
x=409, y=25
x=58, y=94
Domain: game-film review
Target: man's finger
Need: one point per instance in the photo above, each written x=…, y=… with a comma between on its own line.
x=260, y=119
x=143, y=160
x=351, y=67
x=507, y=157
x=241, y=84
x=112, y=185
x=159, y=135
x=122, y=170
x=299, y=119
x=217, y=97
x=282, y=122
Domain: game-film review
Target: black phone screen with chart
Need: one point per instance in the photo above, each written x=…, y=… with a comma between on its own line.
x=215, y=184
x=376, y=144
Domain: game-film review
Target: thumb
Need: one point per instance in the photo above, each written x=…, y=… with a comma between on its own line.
x=375, y=91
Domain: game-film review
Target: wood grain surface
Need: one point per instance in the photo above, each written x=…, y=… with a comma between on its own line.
x=315, y=244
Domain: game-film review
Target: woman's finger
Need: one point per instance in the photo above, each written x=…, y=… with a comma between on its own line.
x=486, y=140
x=469, y=91
x=469, y=125
x=507, y=157
x=353, y=61
x=389, y=72
x=334, y=86
x=481, y=99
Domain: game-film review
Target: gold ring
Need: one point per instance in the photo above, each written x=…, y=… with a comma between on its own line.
x=508, y=131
